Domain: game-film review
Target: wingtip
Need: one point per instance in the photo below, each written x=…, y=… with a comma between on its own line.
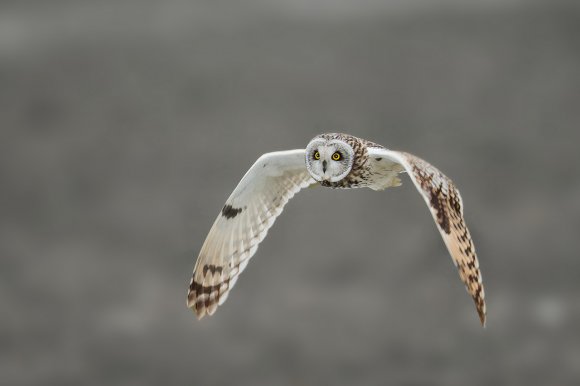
x=190, y=300
x=191, y=304
x=199, y=313
x=482, y=318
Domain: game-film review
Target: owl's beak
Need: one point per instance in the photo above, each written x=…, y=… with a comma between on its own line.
x=324, y=166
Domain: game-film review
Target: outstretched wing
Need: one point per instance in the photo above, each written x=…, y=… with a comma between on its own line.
x=444, y=201
x=242, y=224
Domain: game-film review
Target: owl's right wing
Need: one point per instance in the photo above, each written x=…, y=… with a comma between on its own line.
x=446, y=206
x=242, y=224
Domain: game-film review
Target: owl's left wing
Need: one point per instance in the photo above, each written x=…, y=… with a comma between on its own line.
x=446, y=206
x=242, y=224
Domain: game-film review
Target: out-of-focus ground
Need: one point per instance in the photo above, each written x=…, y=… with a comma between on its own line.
x=126, y=124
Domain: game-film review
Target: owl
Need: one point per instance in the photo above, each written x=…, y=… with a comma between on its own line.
x=338, y=161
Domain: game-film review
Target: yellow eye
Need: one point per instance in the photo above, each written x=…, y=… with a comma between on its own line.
x=336, y=156
x=316, y=155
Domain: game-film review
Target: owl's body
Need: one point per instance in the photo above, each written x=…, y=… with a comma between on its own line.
x=330, y=160
x=365, y=172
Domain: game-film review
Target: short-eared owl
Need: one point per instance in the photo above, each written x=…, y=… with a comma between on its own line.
x=335, y=161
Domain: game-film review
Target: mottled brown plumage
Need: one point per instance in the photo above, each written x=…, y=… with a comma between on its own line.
x=446, y=205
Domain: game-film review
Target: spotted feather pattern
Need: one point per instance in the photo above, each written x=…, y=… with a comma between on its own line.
x=242, y=224
x=446, y=205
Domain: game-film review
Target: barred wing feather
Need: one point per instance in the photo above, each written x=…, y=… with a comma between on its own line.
x=446, y=206
x=242, y=224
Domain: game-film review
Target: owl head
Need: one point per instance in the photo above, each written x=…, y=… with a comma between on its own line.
x=329, y=159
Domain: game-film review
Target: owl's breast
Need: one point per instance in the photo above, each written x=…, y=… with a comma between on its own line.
x=357, y=178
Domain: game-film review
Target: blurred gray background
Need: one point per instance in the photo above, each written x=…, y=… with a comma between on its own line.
x=126, y=124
